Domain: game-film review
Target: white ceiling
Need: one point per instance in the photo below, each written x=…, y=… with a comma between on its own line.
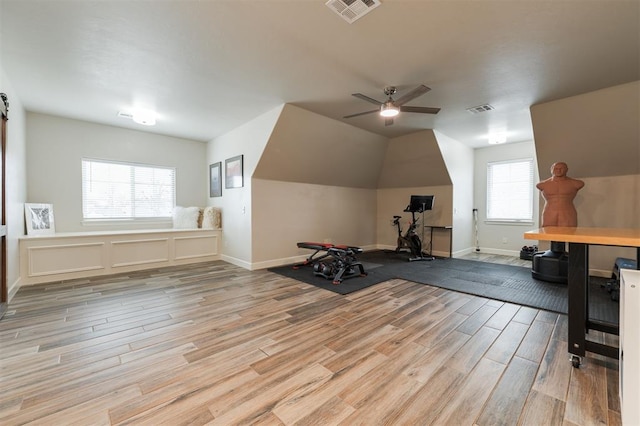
x=206, y=67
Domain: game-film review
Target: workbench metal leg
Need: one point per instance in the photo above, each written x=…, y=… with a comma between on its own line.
x=578, y=286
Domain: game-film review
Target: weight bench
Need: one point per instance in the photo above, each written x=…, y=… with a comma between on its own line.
x=342, y=265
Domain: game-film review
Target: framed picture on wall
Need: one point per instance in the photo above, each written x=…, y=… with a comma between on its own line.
x=233, y=172
x=215, y=179
x=39, y=219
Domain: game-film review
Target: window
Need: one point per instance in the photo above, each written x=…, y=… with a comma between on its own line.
x=112, y=190
x=510, y=190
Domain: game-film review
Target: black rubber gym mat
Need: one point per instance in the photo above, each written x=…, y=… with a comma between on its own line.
x=506, y=283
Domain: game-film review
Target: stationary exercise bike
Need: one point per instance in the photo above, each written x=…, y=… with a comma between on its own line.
x=410, y=239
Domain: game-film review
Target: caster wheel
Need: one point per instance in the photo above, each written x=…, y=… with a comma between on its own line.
x=575, y=361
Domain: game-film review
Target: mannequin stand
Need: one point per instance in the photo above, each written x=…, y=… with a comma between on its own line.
x=551, y=265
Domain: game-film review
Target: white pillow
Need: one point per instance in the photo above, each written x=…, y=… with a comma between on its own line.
x=211, y=218
x=185, y=217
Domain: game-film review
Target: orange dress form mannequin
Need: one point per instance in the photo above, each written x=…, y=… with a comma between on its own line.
x=558, y=192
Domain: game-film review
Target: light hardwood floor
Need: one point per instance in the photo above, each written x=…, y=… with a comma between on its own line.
x=216, y=344
x=497, y=258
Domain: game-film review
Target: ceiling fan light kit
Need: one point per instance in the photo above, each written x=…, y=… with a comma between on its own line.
x=391, y=108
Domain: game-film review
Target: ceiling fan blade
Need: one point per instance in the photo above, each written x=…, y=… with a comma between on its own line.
x=388, y=121
x=423, y=110
x=418, y=91
x=361, y=113
x=366, y=98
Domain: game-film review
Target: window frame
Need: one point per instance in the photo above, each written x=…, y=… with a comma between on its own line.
x=510, y=220
x=130, y=219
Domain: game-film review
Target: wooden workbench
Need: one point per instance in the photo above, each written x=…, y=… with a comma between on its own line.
x=579, y=240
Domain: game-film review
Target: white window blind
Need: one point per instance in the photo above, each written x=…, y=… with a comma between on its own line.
x=510, y=190
x=113, y=190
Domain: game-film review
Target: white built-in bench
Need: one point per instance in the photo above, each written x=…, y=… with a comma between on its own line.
x=64, y=256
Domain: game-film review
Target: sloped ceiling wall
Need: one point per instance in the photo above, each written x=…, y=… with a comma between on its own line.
x=597, y=134
x=414, y=160
x=309, y=148
x=313, y=165
x=306, y=147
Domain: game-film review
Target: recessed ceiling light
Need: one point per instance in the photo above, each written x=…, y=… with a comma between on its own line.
x=497, y=138
x=144, y=117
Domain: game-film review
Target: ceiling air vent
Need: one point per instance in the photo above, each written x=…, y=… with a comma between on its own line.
x=351, y=10
x=480, y=108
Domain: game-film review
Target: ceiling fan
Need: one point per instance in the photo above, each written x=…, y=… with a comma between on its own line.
x=391, y=108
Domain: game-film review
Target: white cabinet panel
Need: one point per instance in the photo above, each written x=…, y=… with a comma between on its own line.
x=64, y=256
x=630, y=346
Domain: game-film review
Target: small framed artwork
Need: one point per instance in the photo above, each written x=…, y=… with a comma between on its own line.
x=215, y=179
x=233, y=172
x=39, y=219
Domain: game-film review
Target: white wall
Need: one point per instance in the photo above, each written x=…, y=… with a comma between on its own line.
x=248, y=140
x=459, y=159
x=56, y=146
x=491, y=235
x=16, y=182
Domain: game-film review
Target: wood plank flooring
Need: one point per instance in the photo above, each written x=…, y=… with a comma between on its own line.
x=216, y=344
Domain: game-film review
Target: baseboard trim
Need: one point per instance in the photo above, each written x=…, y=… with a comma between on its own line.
x=13, y=289
x=502, y=252
x=235, y=261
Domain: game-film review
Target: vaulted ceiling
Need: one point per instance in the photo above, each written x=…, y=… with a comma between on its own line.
x=206, y=67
